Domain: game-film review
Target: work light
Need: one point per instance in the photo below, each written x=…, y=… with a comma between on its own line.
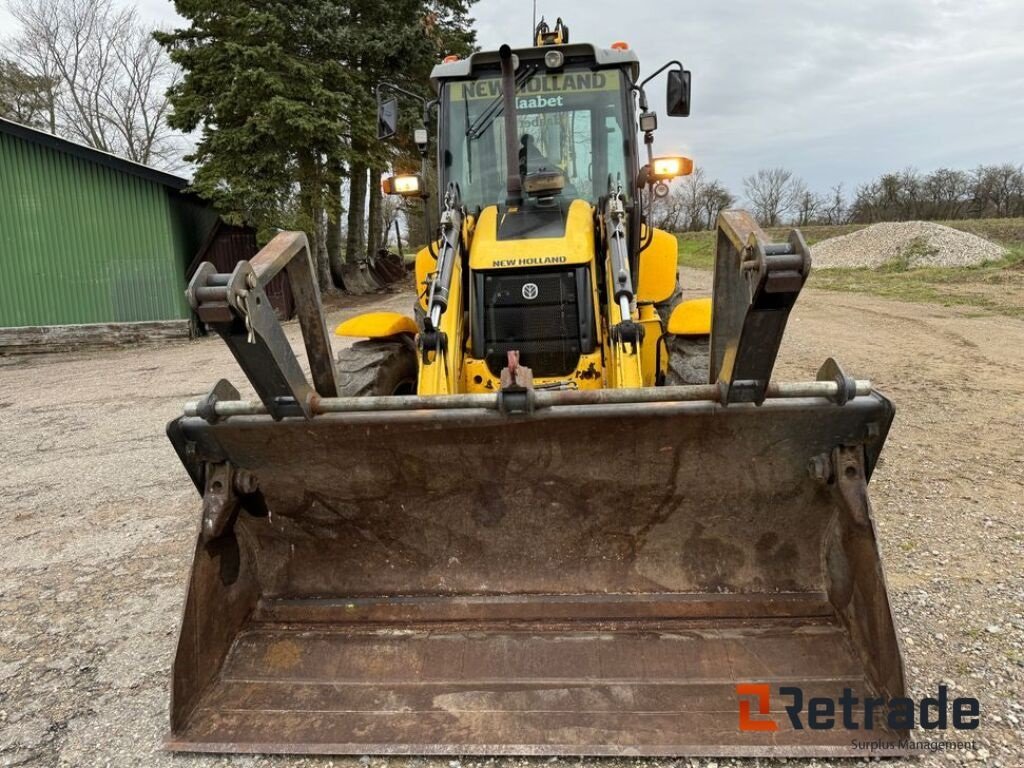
x=408, y=185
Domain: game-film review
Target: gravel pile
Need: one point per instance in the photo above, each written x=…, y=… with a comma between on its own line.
x=905, y=244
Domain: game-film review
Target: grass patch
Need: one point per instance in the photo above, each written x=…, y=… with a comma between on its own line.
x=918, y=248
x=1006, y=232
x=697, y=249
x=996, y=286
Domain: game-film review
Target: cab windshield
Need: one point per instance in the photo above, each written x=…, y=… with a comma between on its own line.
x=573, y=121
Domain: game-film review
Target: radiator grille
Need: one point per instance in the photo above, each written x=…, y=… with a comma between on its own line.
x=537, y=314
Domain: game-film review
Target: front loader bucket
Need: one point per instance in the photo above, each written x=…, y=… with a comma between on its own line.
x=585, y=580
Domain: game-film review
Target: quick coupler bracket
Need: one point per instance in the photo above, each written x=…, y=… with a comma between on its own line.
x=236, y=307
x=756, y=285
x=223, y=494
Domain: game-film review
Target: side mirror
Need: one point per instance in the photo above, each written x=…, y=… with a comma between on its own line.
x=387, y=118
x=677, y=96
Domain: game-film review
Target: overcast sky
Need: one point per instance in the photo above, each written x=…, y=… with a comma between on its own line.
x=836, y=90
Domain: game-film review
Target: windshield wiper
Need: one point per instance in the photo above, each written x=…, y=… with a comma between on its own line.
x=485, y=118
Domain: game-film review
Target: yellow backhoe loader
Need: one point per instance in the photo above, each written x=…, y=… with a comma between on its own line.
x=554, y=510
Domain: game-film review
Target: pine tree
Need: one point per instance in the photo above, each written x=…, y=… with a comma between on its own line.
x=267, y=89
x=25, y=98
x=282, y=95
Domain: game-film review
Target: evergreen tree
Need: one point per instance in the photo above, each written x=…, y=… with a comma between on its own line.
x=24, y=97
x=266, y=88
x=282, y=94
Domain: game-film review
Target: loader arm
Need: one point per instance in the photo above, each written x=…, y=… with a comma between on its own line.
x=756, y=285
x=440, y=342
x=236, y=307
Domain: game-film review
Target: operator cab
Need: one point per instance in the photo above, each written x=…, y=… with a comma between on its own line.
x=574, y=123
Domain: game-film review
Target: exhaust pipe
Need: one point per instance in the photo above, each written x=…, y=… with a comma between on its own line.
x=514, y=195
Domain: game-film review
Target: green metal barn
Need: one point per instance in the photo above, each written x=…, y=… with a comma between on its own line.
x=90, y=238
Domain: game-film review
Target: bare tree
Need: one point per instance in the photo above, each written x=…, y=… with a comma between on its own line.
x=836, y=211
x=670, y=212
x=109, y=77
x=389, y=214
x=994, y=189
x=714, y=199
x=772, y=194
x=910, y=191
x=987, y=191
x=1008, y=190
x=693, y=204
x=691, y=192
x=947, y=191
x=807, y=205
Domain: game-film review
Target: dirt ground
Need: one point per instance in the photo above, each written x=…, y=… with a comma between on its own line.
x=98, y=522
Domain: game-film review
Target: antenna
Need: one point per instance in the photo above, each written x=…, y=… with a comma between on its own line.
x=533, y=32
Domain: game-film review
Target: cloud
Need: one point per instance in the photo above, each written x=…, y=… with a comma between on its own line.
x=837, y=91
x=160, y=13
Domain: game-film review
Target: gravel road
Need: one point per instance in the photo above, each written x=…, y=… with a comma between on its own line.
x=98, y=522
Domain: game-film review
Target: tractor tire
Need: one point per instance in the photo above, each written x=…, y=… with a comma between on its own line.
x=689, y=360
x=689, y=357
x=376, y=368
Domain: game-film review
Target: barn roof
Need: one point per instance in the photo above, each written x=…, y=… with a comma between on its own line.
x=91, y=154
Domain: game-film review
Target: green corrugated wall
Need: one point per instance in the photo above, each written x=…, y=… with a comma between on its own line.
x=82, y=243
